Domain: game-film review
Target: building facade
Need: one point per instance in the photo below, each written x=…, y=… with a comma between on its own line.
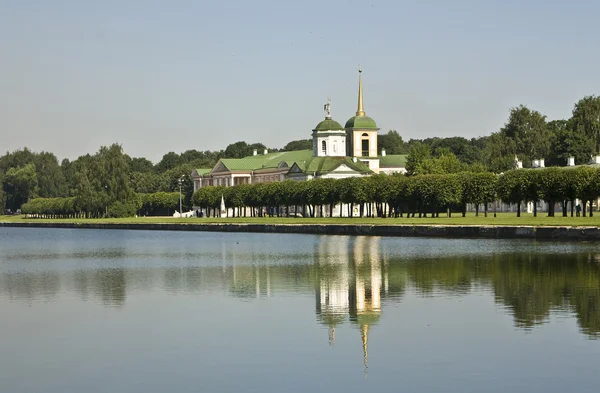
x=338, y=152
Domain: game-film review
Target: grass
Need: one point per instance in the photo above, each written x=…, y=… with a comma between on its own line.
x=509, y=219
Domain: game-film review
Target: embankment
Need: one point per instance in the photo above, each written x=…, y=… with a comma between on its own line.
x=443, y=231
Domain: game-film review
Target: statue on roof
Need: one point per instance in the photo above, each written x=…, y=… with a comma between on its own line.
x=327, y=108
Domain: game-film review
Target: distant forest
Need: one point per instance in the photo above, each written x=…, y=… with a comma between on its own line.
x=110, y=175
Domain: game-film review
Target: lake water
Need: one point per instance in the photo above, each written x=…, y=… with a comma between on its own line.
x=143, y=311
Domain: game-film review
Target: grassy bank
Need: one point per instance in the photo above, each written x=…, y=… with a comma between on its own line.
x=502, y=219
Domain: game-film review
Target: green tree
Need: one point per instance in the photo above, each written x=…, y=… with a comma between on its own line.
x=392, y=143
x=168, y=161
x=19, y=185
x=478, y=189
x=511, y=188
x=419, y=152
x=568, y=142
x=242, y=149
x=301, y=144
x=141, y=165
x=527, y=128
x=586, y=120
x=51, y=180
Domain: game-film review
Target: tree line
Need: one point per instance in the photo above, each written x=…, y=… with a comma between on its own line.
x=110, y=176
x=410, y=196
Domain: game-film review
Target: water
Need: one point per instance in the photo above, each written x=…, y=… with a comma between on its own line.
x=136, y=311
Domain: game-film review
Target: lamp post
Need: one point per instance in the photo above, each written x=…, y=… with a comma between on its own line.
x=180, y=181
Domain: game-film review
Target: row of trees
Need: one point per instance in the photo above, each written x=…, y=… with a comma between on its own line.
x=396, y=195
x=527, y=134
x=156, y=204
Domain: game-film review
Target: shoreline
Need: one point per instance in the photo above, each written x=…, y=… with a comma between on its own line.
x=563, y=233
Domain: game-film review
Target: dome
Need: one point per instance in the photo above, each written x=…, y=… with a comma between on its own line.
x=361, y=122
x=328, y=124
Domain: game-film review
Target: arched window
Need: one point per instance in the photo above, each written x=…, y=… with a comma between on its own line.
x=365, y=144
x=324, y=147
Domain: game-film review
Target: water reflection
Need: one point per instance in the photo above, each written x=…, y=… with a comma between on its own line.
x=351, y=278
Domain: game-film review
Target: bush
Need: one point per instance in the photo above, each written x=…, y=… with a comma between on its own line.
x=120, y=209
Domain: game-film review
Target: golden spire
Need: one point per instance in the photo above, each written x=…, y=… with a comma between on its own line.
x=364, y=333
x=360, y=111
x=332, y=335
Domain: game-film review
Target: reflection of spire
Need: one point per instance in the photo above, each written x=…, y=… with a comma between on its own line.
x=360, y=111
x=366, y=304
x=364, y=334
x=332, y=335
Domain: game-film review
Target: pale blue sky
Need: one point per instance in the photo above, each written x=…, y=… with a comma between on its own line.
x=160, y=76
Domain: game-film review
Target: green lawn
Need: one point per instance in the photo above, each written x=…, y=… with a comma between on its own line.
x=456, y=219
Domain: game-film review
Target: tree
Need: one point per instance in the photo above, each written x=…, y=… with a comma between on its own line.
x=419, y=152
x=478, y=188
x=19, y=184
x=511, y=187
x=462, y=148
x=301, y=144
x=527, y=128
x=51, y=180
x=499, y=152
x=392, y=143
x=242, y=149
x=168, y=161
x=568, y=142
x=141, y=165
x=446, y=163
x=552, y=183
x=586, y=120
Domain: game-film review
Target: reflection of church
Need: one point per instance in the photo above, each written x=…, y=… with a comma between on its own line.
x=351, y=280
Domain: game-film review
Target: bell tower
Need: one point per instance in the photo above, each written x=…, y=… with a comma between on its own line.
x=361, y=133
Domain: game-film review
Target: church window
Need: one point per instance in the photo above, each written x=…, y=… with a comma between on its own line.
x=365, y=147
x=324, y=147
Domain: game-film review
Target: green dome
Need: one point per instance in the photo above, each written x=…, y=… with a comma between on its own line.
x=361, y=122
x=328, y=124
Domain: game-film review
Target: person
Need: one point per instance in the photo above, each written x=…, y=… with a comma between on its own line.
x=578, y=209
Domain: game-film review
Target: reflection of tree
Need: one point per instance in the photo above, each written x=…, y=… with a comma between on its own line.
x=110, y=285
x=31, y=286
x=529, y=285
x=453, y=276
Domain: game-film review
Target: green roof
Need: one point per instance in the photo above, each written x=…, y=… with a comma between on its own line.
x=303, y=158
x=270, y=160
x=398, y=160
x=203, y=171
x=322, y=165
x=328, y=124
x=361, y=122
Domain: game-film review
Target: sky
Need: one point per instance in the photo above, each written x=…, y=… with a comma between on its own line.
x=157, y=76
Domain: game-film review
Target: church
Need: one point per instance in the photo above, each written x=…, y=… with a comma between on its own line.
x=338, y=152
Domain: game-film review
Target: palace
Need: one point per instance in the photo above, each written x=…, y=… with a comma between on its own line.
x=338, y=152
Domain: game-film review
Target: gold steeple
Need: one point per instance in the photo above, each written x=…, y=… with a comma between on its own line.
x=331, y=335
x=364, y=332
x=360, y=111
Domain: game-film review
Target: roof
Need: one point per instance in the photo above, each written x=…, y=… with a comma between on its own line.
x=365, y=122
x=394, y=160
x=322, y=165
x=203, y=171
x=270, y=160
x=328, y=125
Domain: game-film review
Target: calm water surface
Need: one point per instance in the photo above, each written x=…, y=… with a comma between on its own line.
x=136, y=311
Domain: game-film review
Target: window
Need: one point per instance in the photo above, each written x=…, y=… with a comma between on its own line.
x=324, y=147
x=365, y=147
